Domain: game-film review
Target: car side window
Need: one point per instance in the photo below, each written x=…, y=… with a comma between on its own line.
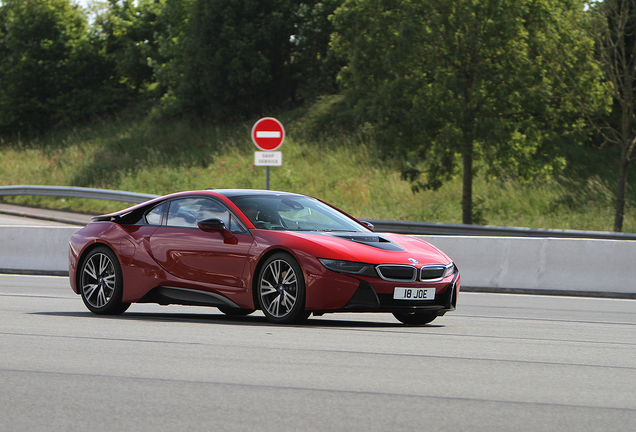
x=187, y=212
x=153, y=217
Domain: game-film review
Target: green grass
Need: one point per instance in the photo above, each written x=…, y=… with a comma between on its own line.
x=336, y=165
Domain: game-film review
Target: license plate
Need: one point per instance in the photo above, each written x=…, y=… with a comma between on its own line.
x=414, y=293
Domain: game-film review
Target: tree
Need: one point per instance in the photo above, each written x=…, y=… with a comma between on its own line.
x=614, y=26
x=52, y=71
x=169, y=62
x=315, y=64
x=37, y=38
x=128, y=29
x=446, y=83
x=239, y=58
x=611, y=26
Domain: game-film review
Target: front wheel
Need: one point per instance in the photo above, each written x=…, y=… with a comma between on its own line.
x=281, y=290
x=101, y=282
x=415, y=318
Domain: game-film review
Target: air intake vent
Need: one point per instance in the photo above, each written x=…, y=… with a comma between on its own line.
x=397, y=272
x=433, y=272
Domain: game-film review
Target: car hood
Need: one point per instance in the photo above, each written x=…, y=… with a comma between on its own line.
x=372, y=248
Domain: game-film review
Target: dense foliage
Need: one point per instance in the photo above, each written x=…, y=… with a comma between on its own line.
x=615, y=29
x=448, y=87
x=53, y=70
x=447, y=82
x=213, y=59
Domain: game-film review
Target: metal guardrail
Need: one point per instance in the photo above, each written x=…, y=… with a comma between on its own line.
x=431, y=228
x=402, y=227
x=77, y=192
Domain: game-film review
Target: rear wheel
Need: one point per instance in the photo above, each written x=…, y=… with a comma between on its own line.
x=415, y=318
x=101, y=282
x=281, y=290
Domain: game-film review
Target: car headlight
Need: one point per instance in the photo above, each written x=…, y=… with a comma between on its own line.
x=350, y=267
x=449, y=270
x=431, y=273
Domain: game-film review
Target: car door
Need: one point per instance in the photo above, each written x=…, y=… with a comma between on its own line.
x=187, y=252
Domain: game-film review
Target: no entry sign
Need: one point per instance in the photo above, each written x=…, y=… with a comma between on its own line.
x=268, y=134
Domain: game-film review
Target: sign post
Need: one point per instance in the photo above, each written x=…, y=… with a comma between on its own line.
x=268, y=134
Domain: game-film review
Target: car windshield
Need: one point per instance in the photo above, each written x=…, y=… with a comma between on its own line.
x=294, y=213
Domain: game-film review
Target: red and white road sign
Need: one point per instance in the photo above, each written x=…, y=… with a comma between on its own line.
x=268, y=134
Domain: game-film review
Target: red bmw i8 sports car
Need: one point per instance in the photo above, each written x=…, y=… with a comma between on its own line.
x=286, y=254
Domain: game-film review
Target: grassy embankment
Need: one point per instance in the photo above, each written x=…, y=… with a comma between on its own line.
x=159, y=158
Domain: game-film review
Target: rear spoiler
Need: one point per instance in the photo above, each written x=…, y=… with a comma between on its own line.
x=111, y=217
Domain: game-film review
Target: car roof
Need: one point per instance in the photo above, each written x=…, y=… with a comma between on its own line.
x=230, y=193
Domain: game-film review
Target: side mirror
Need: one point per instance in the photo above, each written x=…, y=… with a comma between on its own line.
x=211, y=225
x=368, y=225
x=218, y=226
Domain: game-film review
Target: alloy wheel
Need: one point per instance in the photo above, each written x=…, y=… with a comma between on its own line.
x=279, y=288
x=98, y=280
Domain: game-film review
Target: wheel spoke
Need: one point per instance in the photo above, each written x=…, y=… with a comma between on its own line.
x=89, y=290
x=288, y=300
x=103, y=263
x=266, y=288
x=274, y=268
x=110, y=281
x=274, y=306
x=101, y=297
x=290, y=278
x=268, y=291
x=90, y=269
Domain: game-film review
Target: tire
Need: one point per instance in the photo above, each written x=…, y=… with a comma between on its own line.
x=235, y=311
x=281, y=290
x=101, y=283
x=415, y=318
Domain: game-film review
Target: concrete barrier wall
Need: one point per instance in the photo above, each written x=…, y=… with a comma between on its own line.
x=554, y=264
x=492, y=263
x=35, y=249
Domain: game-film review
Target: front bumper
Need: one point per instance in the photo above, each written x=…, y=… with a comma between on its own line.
x=369, y=299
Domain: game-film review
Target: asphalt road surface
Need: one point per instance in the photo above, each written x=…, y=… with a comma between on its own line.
x=499, y=363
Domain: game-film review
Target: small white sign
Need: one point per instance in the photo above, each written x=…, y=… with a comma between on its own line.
x=274, y=158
